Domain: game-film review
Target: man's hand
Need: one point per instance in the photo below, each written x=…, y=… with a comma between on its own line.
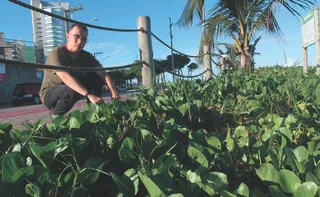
x=95, y=99
x=115, y=95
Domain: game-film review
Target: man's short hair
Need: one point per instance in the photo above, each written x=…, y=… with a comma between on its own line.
x=80, y=25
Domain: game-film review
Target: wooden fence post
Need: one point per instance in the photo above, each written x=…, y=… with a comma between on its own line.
x=146, y=54
x=317, y=30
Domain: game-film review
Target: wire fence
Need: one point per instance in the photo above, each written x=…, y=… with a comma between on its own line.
x=88, y=69
x=165, y=44
x=214, y=62
x=64, y=68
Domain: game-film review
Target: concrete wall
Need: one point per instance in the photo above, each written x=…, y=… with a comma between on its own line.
x=15, y=75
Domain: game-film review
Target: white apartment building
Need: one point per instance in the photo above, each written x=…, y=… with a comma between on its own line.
x=48, y=31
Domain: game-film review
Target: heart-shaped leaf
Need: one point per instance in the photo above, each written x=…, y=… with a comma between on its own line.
x=276, y=191
x=307, y=189
x=151, y=186
x=197, y=156
x=267, y=172
x=289, y=181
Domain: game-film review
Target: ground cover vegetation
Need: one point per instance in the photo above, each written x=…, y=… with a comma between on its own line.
x=236, y=135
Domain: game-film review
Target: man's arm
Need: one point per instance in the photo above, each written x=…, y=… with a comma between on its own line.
x=108, y=82
x=74, y=84
x=58, y=57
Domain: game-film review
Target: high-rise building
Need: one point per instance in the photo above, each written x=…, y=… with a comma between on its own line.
x=48, y=31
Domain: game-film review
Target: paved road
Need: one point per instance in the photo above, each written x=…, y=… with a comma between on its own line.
x=17, y=116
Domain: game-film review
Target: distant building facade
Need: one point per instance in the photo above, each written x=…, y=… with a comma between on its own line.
x=17, y=50
x=12, y=75
x=48, y=32
x=6, y=49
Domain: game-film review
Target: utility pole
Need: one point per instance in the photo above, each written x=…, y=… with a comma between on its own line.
x=67, y=16
x=97, y=53
x=171, y=44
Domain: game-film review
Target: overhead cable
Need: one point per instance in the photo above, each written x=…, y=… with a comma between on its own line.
x=194, y=56
x=65, y=68
x=10, y=40
x=98, y=27
x=71, y=20
x=214, y=62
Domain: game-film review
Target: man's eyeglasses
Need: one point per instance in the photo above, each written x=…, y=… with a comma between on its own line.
x=77, y=36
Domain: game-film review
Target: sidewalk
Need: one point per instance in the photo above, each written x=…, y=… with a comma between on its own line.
x=17, y=116
x=5, y=105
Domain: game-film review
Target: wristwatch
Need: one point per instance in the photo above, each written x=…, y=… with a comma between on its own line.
x=86, y=95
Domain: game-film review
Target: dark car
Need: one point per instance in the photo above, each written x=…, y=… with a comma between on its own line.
x=25, y=93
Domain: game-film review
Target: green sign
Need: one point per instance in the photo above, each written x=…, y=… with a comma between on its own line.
x=308, y=29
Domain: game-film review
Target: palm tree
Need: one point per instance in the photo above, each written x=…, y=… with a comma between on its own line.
x=196, y=8
x=240, y=19
x=191, y=9
x=228, y=59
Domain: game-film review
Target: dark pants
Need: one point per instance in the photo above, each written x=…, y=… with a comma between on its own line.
x=60, y=98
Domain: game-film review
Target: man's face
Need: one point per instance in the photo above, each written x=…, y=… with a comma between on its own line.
x=76, y=39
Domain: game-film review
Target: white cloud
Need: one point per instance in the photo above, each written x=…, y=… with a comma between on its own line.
x=112, y=48
x=281, y=41
x=290, y=62
x=99, y=46
x=118, y=50
x=193, y=52
x=122, y=63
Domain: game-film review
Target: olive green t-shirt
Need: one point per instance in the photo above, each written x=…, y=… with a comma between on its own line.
x=59, y=56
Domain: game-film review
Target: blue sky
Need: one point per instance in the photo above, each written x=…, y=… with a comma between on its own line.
x=122, y=48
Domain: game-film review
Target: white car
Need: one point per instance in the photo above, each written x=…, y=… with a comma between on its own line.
x=121, y=89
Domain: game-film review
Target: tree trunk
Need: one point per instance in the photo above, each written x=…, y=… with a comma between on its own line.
x=246, y=61
x=223, y=64
x=242, y=61
x=248, y=65
x=164, y=78
x=249, y=60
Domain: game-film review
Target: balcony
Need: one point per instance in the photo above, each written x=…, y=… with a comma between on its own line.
x=48, y=22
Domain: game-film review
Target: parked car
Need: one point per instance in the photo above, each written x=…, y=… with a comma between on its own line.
x=26, y=93
x=121, y=89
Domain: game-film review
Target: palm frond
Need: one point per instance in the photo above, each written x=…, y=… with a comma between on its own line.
x=191, y=9
x=266, y=21
x=291, y=4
